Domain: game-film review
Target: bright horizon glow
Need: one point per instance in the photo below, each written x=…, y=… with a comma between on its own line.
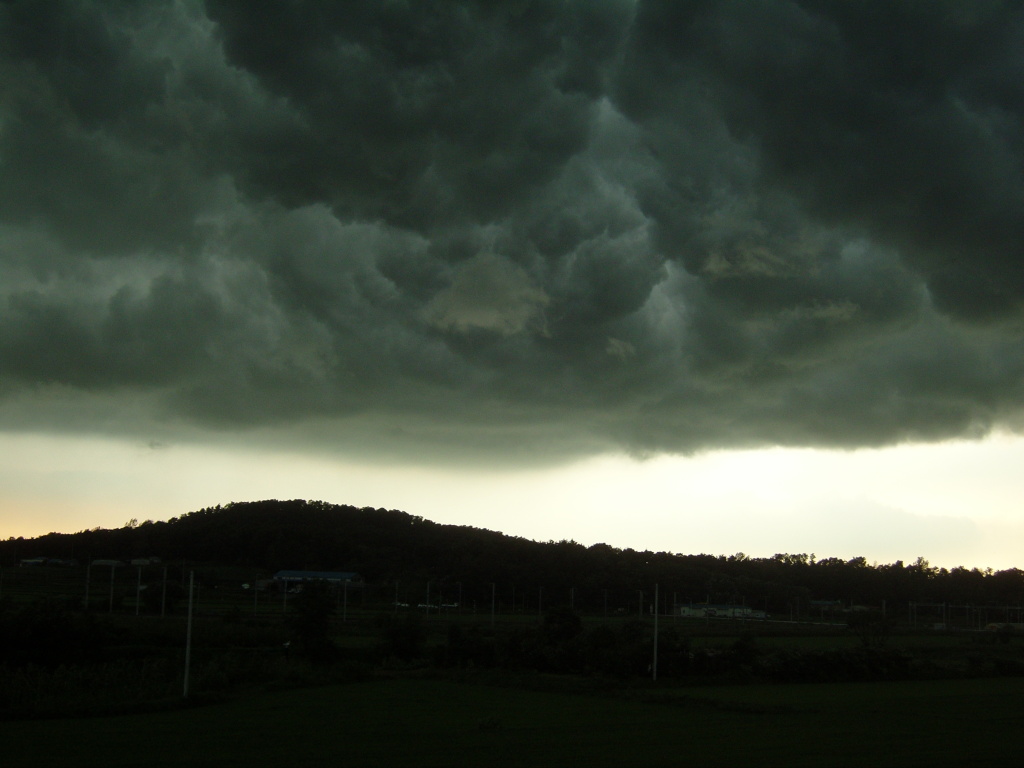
x=953, y=503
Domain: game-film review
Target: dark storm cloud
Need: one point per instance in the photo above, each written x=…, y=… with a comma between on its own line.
x=901, y=118
x=546, y=227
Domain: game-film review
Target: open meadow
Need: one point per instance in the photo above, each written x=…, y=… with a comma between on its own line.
x=317, y=677
x=424, y=722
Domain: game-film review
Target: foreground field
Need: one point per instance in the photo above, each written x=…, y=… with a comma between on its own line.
x=425, y=722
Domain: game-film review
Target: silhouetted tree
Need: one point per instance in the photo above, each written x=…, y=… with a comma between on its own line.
x=310, y=621
x=403, y=636
x=871, y=626
x=561, y=624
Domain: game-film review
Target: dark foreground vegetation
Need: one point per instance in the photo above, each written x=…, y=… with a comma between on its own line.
x=432, y=722
x=484, y=649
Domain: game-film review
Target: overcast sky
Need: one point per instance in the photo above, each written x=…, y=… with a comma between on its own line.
x=732, y=264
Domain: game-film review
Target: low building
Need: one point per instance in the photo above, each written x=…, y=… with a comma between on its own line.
x=50, y=562
x=691, y=611
x=289, y=579
x=719, y=611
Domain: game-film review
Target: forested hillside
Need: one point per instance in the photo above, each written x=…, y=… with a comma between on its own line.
x=387, y=545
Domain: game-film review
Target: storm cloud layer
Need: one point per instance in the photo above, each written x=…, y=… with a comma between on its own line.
x=526, y=227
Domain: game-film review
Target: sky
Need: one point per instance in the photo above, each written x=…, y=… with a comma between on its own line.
x=684, y=276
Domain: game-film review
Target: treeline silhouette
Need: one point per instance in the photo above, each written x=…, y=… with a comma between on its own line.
x=386, y=546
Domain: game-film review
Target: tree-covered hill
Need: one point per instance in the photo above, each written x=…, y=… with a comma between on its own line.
x=388, y=545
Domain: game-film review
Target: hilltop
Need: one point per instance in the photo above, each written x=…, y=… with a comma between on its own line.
x=387, y=546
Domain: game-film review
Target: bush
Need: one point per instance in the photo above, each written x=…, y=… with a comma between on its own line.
x=841, y=665
x=48, y=633
x=467, y=646
x=402, y=637
x=310, y=622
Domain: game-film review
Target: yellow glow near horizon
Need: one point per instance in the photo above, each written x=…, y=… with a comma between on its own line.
x=955, y=503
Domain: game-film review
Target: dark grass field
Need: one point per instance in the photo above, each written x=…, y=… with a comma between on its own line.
x=424, y=722
x=558, y=720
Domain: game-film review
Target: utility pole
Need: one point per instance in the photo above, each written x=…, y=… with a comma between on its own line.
x=111, y=610
x=654, y=664
x=188, y=633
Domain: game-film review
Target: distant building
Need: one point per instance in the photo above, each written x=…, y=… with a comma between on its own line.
x=294, y=578
x=59, y=562
x=692, y=611
x=718, y=611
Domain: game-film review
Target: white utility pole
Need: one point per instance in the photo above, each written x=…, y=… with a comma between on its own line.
x=188, y=633
x=654, y=664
